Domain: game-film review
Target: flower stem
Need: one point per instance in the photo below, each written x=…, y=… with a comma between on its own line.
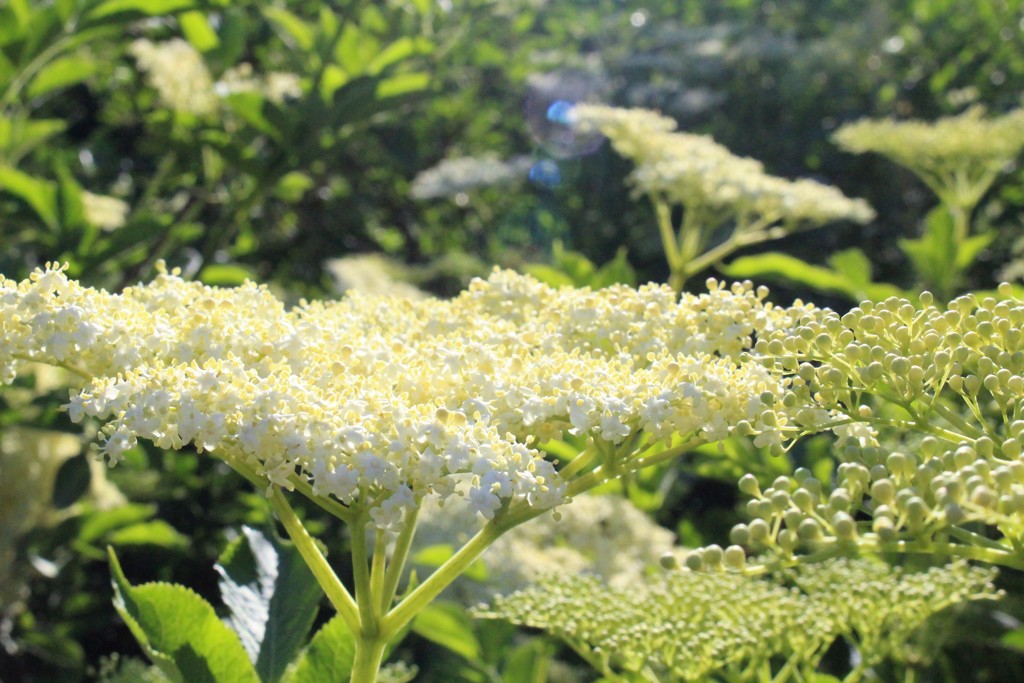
x=398, y=559
x=419, y=598
x=369, y=626
x=317, y=563
x=368, y=657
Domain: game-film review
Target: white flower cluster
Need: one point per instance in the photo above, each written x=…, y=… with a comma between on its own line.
x=452, y=176
x=603, y=535
x=379, y=402
x=276, y=86
x=968, y=140
x=177, y=72
x=106, y=213
x=371, y=274
x=702, y=175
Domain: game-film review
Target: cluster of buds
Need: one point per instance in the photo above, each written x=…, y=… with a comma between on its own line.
x=684, y=626
x=928, y=409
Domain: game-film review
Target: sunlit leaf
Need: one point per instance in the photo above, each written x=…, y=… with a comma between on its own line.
x=60, y=73
x=198, y=32
x=180, y=631
x=449, y=626
x=293, y=26
x=272, y=596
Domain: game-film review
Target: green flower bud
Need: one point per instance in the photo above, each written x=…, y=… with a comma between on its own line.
x=809, y=530
x=759, y=530
x=735, y=557
x=740, y=534
x=748, y=485
x=669, y=561
x=844, y=526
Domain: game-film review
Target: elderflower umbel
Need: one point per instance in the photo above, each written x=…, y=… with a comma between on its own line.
x=381, y=401
x=965, y=141
x=702, y=175
x=177, y=72
x=452, y=176
x=928, y=407
x=106, y=213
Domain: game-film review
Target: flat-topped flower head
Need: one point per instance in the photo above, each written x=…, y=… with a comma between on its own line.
x=379, y=401
x=702, y=175
x=958, y=157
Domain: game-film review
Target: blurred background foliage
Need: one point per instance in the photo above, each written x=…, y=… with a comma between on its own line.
x=283, y=141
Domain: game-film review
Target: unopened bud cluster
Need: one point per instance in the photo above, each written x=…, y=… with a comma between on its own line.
x=682, y=626
x=928, y=408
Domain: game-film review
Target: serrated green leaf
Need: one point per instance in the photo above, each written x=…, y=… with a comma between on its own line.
x=329, y=656
x=197, y=31
x=272, y=596
x=180, y=631
x=449, y=626
x=294, y=27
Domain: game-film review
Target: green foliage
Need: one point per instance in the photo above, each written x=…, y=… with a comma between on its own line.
x=328, y=657
x=268, y=188
x=572, y=269
x=180, y=632
x=272, y=599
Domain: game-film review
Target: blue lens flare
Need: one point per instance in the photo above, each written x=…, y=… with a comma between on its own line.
x=546, y=173
x=560, y=111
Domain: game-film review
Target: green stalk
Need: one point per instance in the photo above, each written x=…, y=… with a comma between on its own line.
x=424, y=594
x=397, y=564
x=369, y=626
x=324, y=502
x=377, y=566
x=73, y=369
x=317, y=563
x=368, y=658
x=663, y=214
